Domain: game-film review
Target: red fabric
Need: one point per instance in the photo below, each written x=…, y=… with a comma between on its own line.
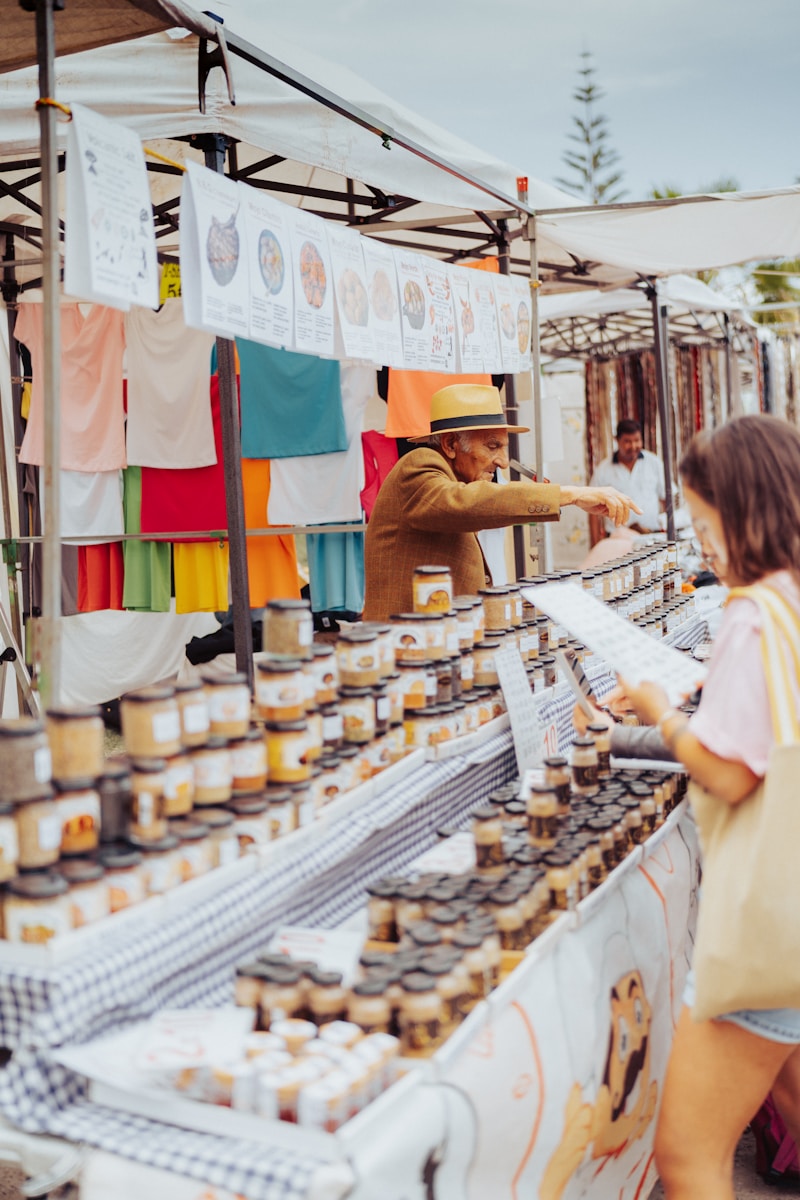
x=380, y=455
x=189, y=499
x=100, y=576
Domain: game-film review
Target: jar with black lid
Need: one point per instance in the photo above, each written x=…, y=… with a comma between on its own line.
x=557, y=774
x=78, y=808
x=228, y=704
x=36, y=908
x=420, y=1015
x=487, y=833
x=357, y=706
x=89, y=895
x=332, y=726
x=281, y=812
x=288, y=629
x=248, y=763
x=584, y=766
x=76, y=737
x=382, y=708
x=25, y=761
x=148, y=817
x=194, y=849
x=123, y=868
x=358, y=657
x=193, y=708
x=280, y=689
x=9, y=843
x=160, y=866
x=542, y=811
x=602, y=742
x=151, y=724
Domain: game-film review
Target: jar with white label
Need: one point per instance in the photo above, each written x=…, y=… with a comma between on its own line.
x=498, y=607
x=9, y=844
x=418, y=636
x=25, y=761
x=151, y=724
x=288, y=629
x=249, y=763
x=325, y=673
x=78, y=808
x=281, y=812
x=213, y=772
x=36, y=908
x=485, y=673
x=160, y=866
x=280, y=689
x=357, y=705
x=193, y=852
x=432, y=589
x=385, y=635
x=123, y=868
x=358, y=657
x=228, y=704
x=332, y=727
x=89, y=896
x=38, y=832
x=250, y=820
x=222, y=834
x=178, y=785
x=462, y=607
x=114, y=789
x=76, y=737
x=288, y=743
x=193, y=708
x=414, y=684
x=148, y=819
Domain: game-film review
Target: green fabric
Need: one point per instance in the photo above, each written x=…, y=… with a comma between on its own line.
x=148, y=565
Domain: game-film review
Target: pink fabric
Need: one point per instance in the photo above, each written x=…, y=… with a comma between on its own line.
x=92, y=417
x=380, y=455
x=733, y=719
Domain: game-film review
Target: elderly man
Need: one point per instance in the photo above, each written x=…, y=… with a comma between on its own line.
x=637, y=471
x=437, y=497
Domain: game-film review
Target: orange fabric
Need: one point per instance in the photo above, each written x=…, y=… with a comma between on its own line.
x=409, y=399
x=271, y=560
x=100, y=576
x=492, y=265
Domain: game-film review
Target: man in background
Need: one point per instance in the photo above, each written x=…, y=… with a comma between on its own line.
x=636, y=472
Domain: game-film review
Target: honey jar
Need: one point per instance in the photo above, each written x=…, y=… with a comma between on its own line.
x=288, y=630
x=280, y=690
x=76, y=739
x=151, y=726
x=432, y=589
x=228, y=704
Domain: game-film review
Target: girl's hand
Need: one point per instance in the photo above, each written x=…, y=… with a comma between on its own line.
x=581, y=722
x=648, y=700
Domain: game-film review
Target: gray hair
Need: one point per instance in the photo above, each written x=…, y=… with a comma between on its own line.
x=435, y=441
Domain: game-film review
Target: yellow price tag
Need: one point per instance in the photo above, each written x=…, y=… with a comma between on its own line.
x=170, y=281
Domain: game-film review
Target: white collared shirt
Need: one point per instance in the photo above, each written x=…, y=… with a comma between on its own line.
x=644, y=484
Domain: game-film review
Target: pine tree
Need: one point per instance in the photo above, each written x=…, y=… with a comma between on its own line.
x=592, y=163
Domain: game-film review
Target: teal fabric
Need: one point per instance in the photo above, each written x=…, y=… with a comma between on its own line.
x=336, y=571
x=291, y=404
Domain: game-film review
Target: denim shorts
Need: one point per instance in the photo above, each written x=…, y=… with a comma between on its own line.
x=773, y=1024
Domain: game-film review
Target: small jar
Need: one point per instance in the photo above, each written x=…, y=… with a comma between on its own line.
x=280, y=689
x=368, y=1006
x=560, y=885
x=475, y=960
x=584, y=766
x=288, y=630
x=151, y=724
x=25, y=761
x=542, y=809
x=193, y=708
x=463, y=606
x=380, y=911
x=327, y=998
x=467, y=670
x=76, y=739
x=418, y=636
x=213, y=772
x=395, y=692
x=38, y=832
x=222, y=836
x=508, y=913
x=9, y=843
x=385, y=635
x=331, y=782
x=281, y=812
x=78, y=808
x=487, y=833
x=497, y=607
x=601, y=734
x=358, y=658
x=432, y=589
x=288, y=743
x=357, y=706
x=124, y=876
x=414, y=684
x=303, y=798
x=444, y=681
x=420, y=1015
x=228, y=704
x=114, y=789
x=549, y=672
x=282, y=993
x=332, y=727
x=250, y=820
x=178, y=785
x=557, y=775
x=248, y=763
x=148, y=819
x=89, y=895
x=382, y=709
x=193, y=852
x=485, y=667
x=325, y=673
x=36, y=908
x=160, y=865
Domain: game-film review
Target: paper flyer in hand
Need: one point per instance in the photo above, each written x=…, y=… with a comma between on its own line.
x=110, y=250
x=635, y=655
x=213, y=254
x=271, y=282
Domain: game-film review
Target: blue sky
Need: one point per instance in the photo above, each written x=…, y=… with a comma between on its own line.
x=694, y=90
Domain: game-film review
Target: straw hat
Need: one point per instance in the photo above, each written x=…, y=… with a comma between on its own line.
x=464, y=406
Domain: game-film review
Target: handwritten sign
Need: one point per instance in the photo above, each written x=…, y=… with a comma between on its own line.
x=110, y=251
x=190, y=1037
x=628, y=650
x=526, y=725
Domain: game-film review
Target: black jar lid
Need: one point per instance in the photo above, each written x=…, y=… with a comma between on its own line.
x=188, y=831
x=278, y=666
x=81, y=870
x=149, y=765
x=248, y=806
x=487, y=812
x=468, y=939
x=157, y=846
x=82, y=713
x=322, y=650
x=147, y=695
x=188, y=685
x=354, y=693
x=286, y=726
x=6, y=808
x=118, y=857
x=431, y=965
x=288, y=605
x=38, y=885
x=21, y=726
x=370, y=987
x=324, y=979
x=252, y=970
x=234, y=678
x=418, y=617
x=443, y=914
x=217, y=818
x=424, y=933
x=417, y=981
x=118, y=767
x=64, y=787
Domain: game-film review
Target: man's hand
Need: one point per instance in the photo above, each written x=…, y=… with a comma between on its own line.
x=602, y=501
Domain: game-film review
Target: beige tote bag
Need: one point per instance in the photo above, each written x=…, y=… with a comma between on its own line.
x=747, y=949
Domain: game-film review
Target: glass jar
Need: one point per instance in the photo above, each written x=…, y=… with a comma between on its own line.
x=418, y=636
x=557, y=775
x=601, y=734
x=584, y=766
x=432, y=589
x=467, y=670
x=382, y=709
x=485, y=668
x=304, y=798
x=385, y=635
x=327, y=998
x=76, y=739
x=25, y=761
x=124, y=876
x=148, y=819
x=193, y=708
x=281, y=812
x=160, y=865
x=542, y=809
x=288, y=630
x=213, y=772
x=228, y=704
x=280, y=690
x=463, y=606
x=178, y=785
x=151, y=724
x=414, y=683
x=315, y=734
x=89, y=895
x=357, y=706
x=497, y=607
x=332, y=727
x=368, y=1006
x=38, y=831
x=420, y=1015
x=325, y=673
x=330, y=783
x=114, y=789
x=78, y=808
x=248, y=763
x=444, y=681
x=358, y=658
x=9, y=843
x=487, y=833
x=193, y=852
x=287, y=751
x=549, y=672
x=36, y=908
x=250, y=820
x=222, y=836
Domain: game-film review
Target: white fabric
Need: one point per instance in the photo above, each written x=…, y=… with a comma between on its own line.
x=644, y=484
x=169, y=404
x=680, y=293
x=313, y=489
x=91, y=505
x=493, y=545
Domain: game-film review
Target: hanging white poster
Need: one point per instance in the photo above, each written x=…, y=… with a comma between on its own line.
x=268, y=239
x=313, y=284
x=352, y=298
x=507, y=316
x=110, y=248
x=522, y=296
x=470, y=350
x=384, y=307
x=485, y=304
x=427, y=308
x=213, y=254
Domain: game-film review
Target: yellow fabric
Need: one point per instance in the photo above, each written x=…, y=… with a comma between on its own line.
x=201, y=576
x=25, y=401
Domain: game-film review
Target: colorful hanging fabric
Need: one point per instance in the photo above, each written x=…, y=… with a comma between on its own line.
x=148, y=565
x=100, y=577
x=380, y=455
x=409, y=399
x=271, y=559
x=336, y=571
x=291, y=404
x=201, y=576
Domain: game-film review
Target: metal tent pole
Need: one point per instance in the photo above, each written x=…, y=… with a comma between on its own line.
x=48, y=648
x=538, y=532
x=512, y=413
x=662, y=389
x=215, y=147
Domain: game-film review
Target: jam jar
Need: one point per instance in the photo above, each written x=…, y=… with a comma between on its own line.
x=357, y=705
x=148, y=820
x=114, y=789
x=89, y=896
x=288, y=743
x=193, y=708
x=78, y=808
x=9, y=843
x=213, y=772
x=25, y=760
x=325, y=673
x=38, y=831
x=288, y=630
x=123, y=868
x=280, y=689
x=358, y=658
x=249, y=763
x=228, y=704
x=432, y=589
x=151, y=724
x=76, y=739
x=36, y=908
